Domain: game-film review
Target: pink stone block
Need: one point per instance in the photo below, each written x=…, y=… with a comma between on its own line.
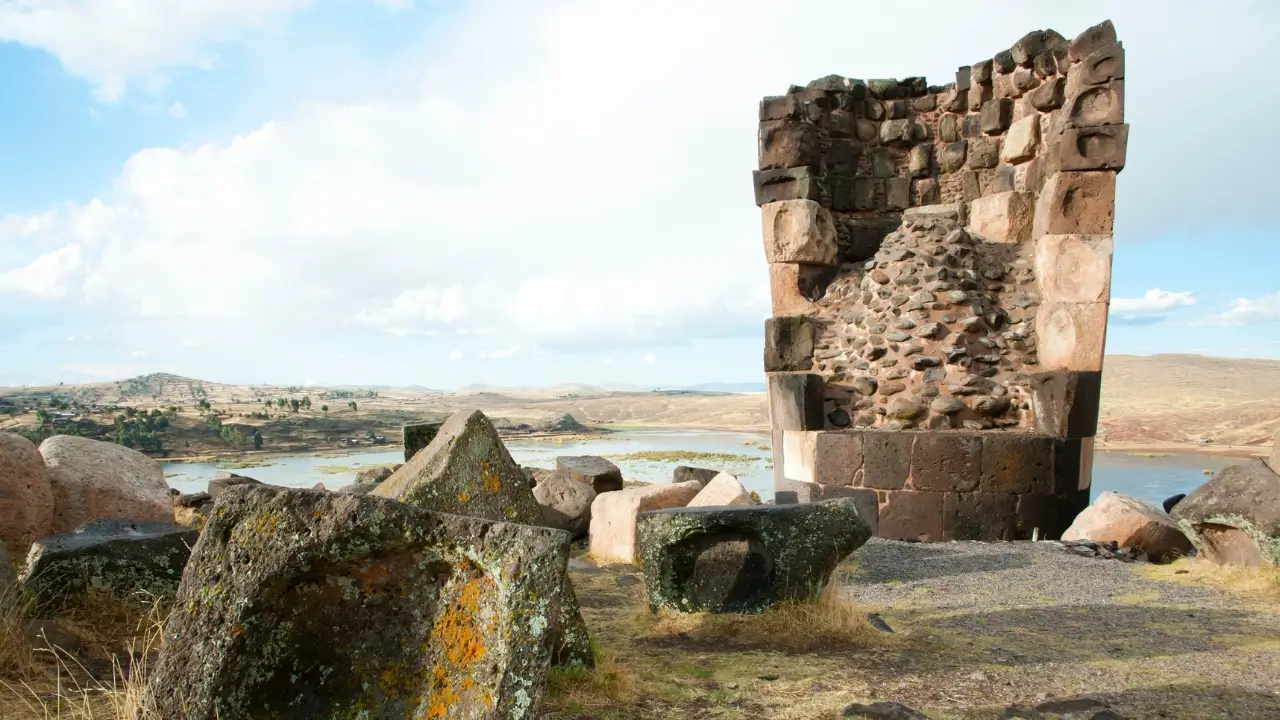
x=1071, y=336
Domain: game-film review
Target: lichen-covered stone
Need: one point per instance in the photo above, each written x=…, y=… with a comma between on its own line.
x=300, y=604
x=418, y=436
x=466, y=470
x=1235, y=516
x=125, y=559
x=745, y=560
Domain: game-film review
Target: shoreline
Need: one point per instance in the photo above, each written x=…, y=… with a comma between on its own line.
x=1173, y=448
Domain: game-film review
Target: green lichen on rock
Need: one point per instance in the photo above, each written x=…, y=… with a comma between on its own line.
x=131, y=561
x=1235, y=516
x=466, y=470
x=745, y=559
x=418, y=436
x=358, y=607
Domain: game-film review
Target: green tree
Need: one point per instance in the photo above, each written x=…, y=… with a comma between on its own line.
x=352, y=404
x=233, y=435
x=257, y=440
x=324, y=408
x=294, y=404
x=203, y=404
x=280, y=402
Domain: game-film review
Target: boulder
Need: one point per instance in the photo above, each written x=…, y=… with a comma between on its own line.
x=613, y=516
x=129, y=560
x=566, y=504
x=26, y=500
x=223, y=480
x=1172, y=501
x=602, y=475
x=1130, y=523
x=373, y=476
x=466, y=470
x=299, y=604
x=745, y=560
x=724, y=489
x=92, y=479
x=418, y=436
x=684, y=473
x=1235, y=517
x=537, y=475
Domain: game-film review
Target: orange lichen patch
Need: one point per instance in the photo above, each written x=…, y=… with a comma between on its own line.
x=461, y=643
x=236, y=630
x=464, y=497
x=489, y=477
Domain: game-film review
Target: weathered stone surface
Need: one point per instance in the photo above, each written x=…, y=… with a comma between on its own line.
x=418, y=436
x=886, y=459
x=788, y=343
x=684, y=473
x=613, y=516
x=996, y=115
x=952, y=156
x=910, y=515
x=838, y=458
x=897, y=193
x=1021, y=141
x=1066, y=404
x=981, y=72
x=1003, y=217
x=1097, y=105
x=745, y=559
x=947, y=211
x=596, y=472
x=1130, y=523
x=466, y=470
x=91, y=479
x=1071, y=336
x=1076, y=203
x=980, y=95
x=798, y=231
x=723, y=490
x=793, y=288
x=1016, y=463
x=127, y=560
x=984, y=152
x=926, y=192
x=1097, y=148
x=566, y=504
x=946, y=462
x=1102, y=66
x=1090, y=41
x=1048, y=515
x=1050, y=95
x=26, y=500
x=785, y=184
x=373, y=476
x=303, y=604
x=982, y=516
x=223, y=480
x=788, y=144
x=1234, y=518
x=920, y=160
x=1074, y=268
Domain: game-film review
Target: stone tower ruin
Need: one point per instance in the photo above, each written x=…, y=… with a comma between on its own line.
x=939, y=265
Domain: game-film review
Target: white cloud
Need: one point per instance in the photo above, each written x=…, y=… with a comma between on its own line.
x=650, y=358
x=1248, y=311
x=139, y=353
x=1153, y=301
x=455, y=355
x=47, y=276
x=113, y=42
x=499, y=354
x=178, y=110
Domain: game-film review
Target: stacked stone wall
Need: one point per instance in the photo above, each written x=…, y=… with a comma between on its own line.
x=939, y=262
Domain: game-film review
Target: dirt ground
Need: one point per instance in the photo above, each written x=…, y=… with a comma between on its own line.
x=975, y=628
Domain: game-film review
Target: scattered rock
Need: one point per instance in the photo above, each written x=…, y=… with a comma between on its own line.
x=26, y=500
x=883, y=711
x=1172, y=501
x=302, y=604
x=727, y=560
x=602, y=475
x=123, y=558
x=566, y=504
x=374, y=475
x=1107, y=550
x=223, y=480
x=91, y=479
x=1235, y=516
x=537, y=475
x=723, y=490
x=613, y=516
x=684, y=473
x=51, y=636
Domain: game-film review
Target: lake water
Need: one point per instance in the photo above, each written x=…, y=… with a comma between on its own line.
x=1148, y=478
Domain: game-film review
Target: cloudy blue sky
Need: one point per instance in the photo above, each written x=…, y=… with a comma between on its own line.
x=439, y=192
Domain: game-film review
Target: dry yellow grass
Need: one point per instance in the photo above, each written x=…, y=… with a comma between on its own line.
x=1261, y=584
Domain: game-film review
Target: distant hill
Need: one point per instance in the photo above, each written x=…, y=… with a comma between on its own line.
x=745, y=387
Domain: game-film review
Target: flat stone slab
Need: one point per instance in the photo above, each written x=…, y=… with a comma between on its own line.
x=301, y=604
x=599, y=473
x=126, y=559
x=745, y=559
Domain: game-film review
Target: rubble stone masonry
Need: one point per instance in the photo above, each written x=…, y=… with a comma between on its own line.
x=939, y=264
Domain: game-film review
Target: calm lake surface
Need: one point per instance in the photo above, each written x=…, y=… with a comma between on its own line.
x=1148, y=478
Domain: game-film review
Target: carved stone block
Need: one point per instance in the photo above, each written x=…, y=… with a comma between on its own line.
x=1076, y=203
x=1071, y=336
x=798, y=231
x=1074, y=268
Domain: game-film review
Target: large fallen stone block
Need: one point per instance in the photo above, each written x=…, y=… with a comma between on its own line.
x=1130, y=523
x=131, y=561
x=596, y=472
x=26, y=500
x=745, y=560
x=466, y=470
x=723, y=490
x=613, y=516
x=685, y=473
x=1234, y=518
x=223, y=480
x=417, y=436
x=566, y=504
x=93, y=479
x=300, y=604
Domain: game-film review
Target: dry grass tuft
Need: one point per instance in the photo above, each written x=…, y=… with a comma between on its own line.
x=579, y=690
x=1252, y=583
x=830, y=621
x=17, y=659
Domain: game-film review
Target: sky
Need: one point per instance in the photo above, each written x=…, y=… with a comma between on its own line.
x=441, y=193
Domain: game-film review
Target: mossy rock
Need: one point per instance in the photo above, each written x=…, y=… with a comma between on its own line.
x=745, y=559
x=1235, y=516
x=302, y=604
